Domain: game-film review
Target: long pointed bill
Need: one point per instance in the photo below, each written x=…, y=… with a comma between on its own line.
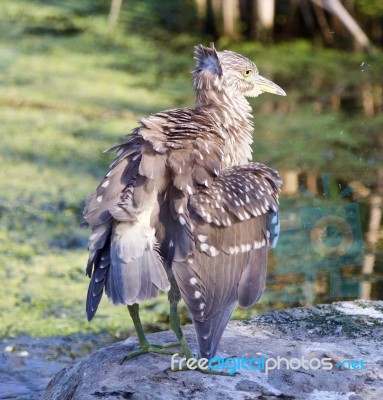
x=265, y=85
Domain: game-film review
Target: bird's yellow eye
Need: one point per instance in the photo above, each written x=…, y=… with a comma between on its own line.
x=247, y=73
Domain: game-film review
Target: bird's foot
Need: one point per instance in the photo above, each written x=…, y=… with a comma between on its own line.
x=221, y=360
x=151, y=348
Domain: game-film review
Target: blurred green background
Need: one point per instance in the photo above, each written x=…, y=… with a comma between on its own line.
x=77, y=75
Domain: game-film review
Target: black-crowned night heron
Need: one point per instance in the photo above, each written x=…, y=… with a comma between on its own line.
x=183, y=209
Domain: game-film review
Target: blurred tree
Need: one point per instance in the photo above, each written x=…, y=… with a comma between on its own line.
x=114, y=12
x=222, y=17
x=374, y=233
x=265, y=13
x=328, y=22
x=273, y=20
x=230, y=13
x=335, y=7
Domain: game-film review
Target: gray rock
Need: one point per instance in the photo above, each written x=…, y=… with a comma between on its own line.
x=341, y=331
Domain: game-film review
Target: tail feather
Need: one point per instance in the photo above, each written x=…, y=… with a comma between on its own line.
x=137, y=280
x=101, y=262
x=128, y=267
x=209, y=332
x=136, y=270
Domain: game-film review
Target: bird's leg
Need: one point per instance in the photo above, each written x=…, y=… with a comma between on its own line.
x=145, y=346
x=174, y=297
x=135, y=315
x=176, y=326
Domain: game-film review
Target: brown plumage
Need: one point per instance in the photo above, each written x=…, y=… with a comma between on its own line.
x=181, y=199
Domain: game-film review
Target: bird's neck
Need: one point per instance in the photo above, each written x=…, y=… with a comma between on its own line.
x=233, y=118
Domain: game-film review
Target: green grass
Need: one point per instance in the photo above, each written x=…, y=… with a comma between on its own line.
x=64, y=100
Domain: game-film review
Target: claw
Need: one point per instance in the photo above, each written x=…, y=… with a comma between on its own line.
x=151, y=348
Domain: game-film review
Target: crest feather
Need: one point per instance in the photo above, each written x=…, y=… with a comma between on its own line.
x=207, y=60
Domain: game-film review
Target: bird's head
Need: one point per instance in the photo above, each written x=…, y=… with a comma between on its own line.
x=231, y=72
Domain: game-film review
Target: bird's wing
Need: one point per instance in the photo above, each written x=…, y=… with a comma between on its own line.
x=123, y=255
x=98, y=214
x=153, y=175
x=193, y=155
x=235, y=221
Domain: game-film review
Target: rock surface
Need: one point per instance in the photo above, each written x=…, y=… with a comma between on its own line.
x=341, y=331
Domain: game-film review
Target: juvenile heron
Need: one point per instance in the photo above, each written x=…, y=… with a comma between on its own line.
x=183, y=209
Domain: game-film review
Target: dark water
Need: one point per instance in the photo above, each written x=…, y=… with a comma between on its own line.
x=28, y=364
x=322, y=253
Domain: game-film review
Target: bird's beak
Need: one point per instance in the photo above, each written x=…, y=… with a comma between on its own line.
x=265, y=85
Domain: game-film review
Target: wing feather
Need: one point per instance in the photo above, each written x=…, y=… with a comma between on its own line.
x=232, y=232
